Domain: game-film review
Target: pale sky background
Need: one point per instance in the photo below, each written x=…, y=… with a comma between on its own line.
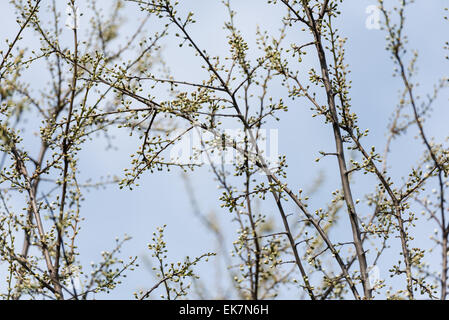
x=162, y=199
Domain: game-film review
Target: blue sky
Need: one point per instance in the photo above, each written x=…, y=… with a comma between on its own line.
x=162, y=199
